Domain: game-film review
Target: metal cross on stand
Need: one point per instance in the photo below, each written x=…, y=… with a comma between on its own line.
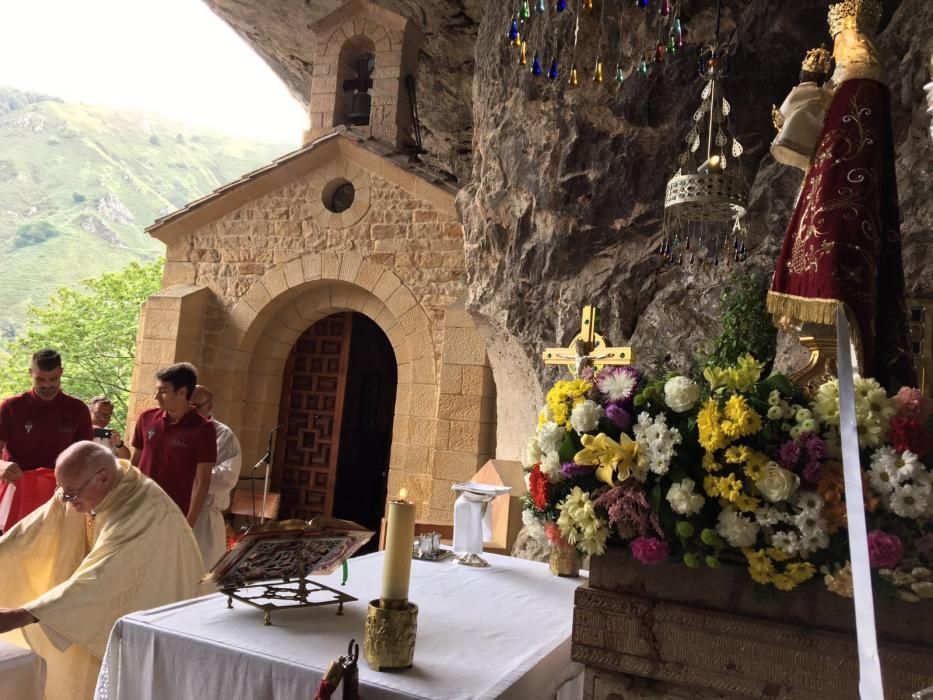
x=588, y=348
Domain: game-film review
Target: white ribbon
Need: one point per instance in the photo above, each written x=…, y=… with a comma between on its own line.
x=870, y=687
x=6, y=504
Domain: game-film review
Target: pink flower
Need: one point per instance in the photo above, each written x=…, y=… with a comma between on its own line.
x=911, y=402
x=650, y=550
x=884, y=551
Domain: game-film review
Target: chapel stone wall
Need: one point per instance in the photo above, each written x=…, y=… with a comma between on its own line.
x=278, y=262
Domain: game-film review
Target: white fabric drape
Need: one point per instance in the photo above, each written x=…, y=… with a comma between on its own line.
x=501, y=632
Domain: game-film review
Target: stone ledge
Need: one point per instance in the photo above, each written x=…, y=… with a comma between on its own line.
x=743, y=657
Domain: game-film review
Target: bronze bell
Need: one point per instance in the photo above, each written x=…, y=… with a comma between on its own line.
x=360, y=104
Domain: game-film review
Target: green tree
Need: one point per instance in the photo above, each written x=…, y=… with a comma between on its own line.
x=94, y=328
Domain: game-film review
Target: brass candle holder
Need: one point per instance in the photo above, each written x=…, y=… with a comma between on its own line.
x=391, y=628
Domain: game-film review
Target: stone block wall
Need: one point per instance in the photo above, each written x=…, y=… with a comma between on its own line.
x=361, y=27
x=272, y=259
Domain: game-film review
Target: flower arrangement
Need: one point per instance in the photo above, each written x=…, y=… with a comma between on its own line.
x=741, y=469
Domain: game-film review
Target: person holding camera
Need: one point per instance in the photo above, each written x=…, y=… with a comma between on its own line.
x=101, y=409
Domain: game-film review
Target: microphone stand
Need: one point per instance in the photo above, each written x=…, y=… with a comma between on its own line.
x=267, y=460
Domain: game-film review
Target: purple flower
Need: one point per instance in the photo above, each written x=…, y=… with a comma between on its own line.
x=629, y=511
x=789, y=454
x=812, y=472
x=884, y=550
x=571, y=470
x=815, y=446
x=618, y=383
x=650, y=550
x=618, y=416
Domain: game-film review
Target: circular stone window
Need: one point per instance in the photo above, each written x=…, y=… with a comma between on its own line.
x=338, y=195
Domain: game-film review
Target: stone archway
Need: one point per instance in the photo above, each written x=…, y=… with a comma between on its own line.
x=288, y=299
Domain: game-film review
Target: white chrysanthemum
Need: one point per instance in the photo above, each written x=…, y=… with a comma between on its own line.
x=580, y=525
x=585, y=416
x=532, y=452
x=774, y=398
x=908, y=501
x=550, y=436
x=775, y=413
x=534, y=527
x=883, y=470
x=909, y=467
x=787, y=541
x=809, y=501
x=808, y=426
x=550, y=467
x=736, y=529
x=545, y=415
x=618, y=384
x=768, y=516
x=656, y=441
x=681, y=394
x=802, y=414
x=683, y=499
x=826, y=402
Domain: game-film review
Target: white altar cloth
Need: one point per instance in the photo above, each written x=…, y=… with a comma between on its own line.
x=22, y=673
x=501, y=632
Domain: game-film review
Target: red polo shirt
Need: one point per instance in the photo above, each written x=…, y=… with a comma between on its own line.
x=172, y=450
x=37, y=431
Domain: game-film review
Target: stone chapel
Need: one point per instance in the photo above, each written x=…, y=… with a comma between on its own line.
x=324, y=294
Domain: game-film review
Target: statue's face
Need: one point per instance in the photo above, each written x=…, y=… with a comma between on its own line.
x=851, y=46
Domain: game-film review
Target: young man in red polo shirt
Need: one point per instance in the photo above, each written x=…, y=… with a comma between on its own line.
x=34, y=428
x=173, y=444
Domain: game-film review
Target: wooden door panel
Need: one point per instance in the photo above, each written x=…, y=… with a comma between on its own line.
x=312, y=403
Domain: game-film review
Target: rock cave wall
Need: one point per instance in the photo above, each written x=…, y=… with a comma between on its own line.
x=565, y=203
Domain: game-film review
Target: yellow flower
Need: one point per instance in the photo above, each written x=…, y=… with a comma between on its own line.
x=613, y=458
x=738, y=454
x=747, y=503
x=746, y=373
x=710, y=464
x=730, y=488
x=708, y=423
x=717, y=377
x=783, y=582
x=711, y=486
x=744, y=419
x=755, y=465
x=800, y=571
x=563, y=396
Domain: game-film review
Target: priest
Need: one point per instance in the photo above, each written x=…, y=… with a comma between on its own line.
x=68, y=573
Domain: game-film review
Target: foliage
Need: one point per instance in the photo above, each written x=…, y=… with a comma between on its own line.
x=746, y=324
x=94, y=328
x=102, y=154
x=34, y=234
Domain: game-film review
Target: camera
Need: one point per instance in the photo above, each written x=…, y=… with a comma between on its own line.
x=103, y=433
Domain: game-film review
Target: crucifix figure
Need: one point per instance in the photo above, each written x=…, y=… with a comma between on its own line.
x=588, y=348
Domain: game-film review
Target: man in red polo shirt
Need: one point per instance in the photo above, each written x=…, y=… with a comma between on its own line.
x=173, y=444
x=34, y=428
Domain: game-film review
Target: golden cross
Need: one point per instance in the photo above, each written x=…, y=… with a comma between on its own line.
x=588, y=348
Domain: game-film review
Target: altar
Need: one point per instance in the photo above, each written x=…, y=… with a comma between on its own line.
x=497, y=632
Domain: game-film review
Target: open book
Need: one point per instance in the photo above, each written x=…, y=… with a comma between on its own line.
x=289, y=549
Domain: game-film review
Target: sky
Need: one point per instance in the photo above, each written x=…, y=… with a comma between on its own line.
x=175, y=58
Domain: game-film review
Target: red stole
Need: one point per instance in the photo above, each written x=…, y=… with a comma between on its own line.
x=843, y=244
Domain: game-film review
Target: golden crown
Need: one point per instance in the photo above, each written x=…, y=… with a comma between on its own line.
x=861, y=15
x=818, y=60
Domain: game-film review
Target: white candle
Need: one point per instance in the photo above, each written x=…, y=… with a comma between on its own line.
x=400, y=533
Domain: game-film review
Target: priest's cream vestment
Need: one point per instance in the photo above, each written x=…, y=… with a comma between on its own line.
x=78, y=574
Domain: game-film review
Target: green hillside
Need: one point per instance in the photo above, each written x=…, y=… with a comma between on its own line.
x=79, y=184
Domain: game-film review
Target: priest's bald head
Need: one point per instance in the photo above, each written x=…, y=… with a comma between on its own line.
x=85, y=472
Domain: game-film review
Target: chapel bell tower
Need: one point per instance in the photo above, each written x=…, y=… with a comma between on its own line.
x=365, y=61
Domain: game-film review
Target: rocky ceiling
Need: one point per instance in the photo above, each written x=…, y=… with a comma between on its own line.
x=278, y=31
x=562, y=190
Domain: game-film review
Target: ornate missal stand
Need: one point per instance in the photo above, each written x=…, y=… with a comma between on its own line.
x=588, y=348
x=269, y=567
